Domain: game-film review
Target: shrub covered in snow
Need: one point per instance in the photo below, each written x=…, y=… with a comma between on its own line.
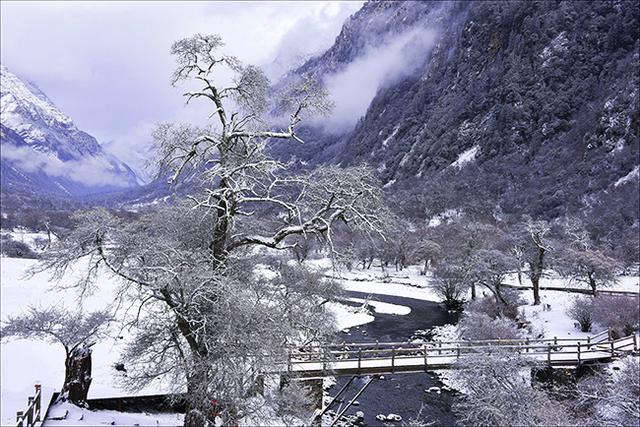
x=479, y=326
x=581, y=310
x=617, y=312
x=613, y=394
x=498, y=391
x=450, y=291
x=15, y=249
x=494, y=309
x=449, y=285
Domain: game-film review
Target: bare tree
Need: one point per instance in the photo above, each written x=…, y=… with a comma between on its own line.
x=489, y=267
x=538, y=245
x=75, y=330
x=204, y=316
x=450, y=284
x=588, y=265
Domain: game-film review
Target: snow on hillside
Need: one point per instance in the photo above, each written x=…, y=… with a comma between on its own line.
x=18, y=100
x=43, y=148
x=628, y=177
x=466, y=157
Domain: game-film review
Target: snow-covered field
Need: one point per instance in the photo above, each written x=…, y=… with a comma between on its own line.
x=27, y=362
x=37, y=241
x=76, y=416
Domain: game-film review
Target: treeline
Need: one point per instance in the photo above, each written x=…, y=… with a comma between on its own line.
x=465, y=239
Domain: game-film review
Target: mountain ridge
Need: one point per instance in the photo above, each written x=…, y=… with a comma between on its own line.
x=544, y=94
x=44, y=152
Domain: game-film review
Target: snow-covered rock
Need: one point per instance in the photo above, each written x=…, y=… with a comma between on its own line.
x=394, y=417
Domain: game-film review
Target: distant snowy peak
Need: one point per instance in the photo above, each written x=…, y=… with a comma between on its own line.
x=21, y=101
x=44, y=151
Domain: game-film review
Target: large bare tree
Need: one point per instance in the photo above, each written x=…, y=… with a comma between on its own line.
x=202, y=314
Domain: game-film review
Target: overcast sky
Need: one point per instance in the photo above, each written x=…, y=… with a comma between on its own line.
x=107, y=64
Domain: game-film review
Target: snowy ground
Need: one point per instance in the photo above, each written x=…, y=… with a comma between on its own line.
x=409, y=283
x=76, y=416
x=36, y=241
x=24, y=363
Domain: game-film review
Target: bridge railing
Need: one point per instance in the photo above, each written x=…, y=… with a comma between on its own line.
x=31, y=416
x=525, y=341
x=552, y=350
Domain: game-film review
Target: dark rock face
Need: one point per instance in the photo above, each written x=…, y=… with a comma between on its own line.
x=542, y=97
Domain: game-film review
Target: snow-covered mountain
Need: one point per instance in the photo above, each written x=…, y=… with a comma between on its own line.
x=44, y=152
x=537, y=101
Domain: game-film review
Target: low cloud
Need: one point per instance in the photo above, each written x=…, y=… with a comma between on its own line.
x=353, y=88
x=90, y=171
x=310, y=35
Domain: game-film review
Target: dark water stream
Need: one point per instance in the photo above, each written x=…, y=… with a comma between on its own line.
x=401, y=394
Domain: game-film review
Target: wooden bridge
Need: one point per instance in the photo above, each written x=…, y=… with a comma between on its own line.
x=395, y=357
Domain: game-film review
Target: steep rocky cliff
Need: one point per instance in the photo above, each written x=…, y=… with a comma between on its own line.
x=540, y=99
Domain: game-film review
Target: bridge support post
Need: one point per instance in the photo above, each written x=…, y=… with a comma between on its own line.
x=549, y=354
x=425, y=358
x=393, y=358
x=579, y=353
x=635, y=342
x=39, y=400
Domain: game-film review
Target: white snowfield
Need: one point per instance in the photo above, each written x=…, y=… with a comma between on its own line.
x=71, y=415
x=24, y=363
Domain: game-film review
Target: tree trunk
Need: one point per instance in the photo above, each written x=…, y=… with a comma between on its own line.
x=201, y=408
x=593, y=285
x=499, y=296
x=536, y=272
x=77, y=377
x=426, y=267
x=219, y=243
x=195, y=418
